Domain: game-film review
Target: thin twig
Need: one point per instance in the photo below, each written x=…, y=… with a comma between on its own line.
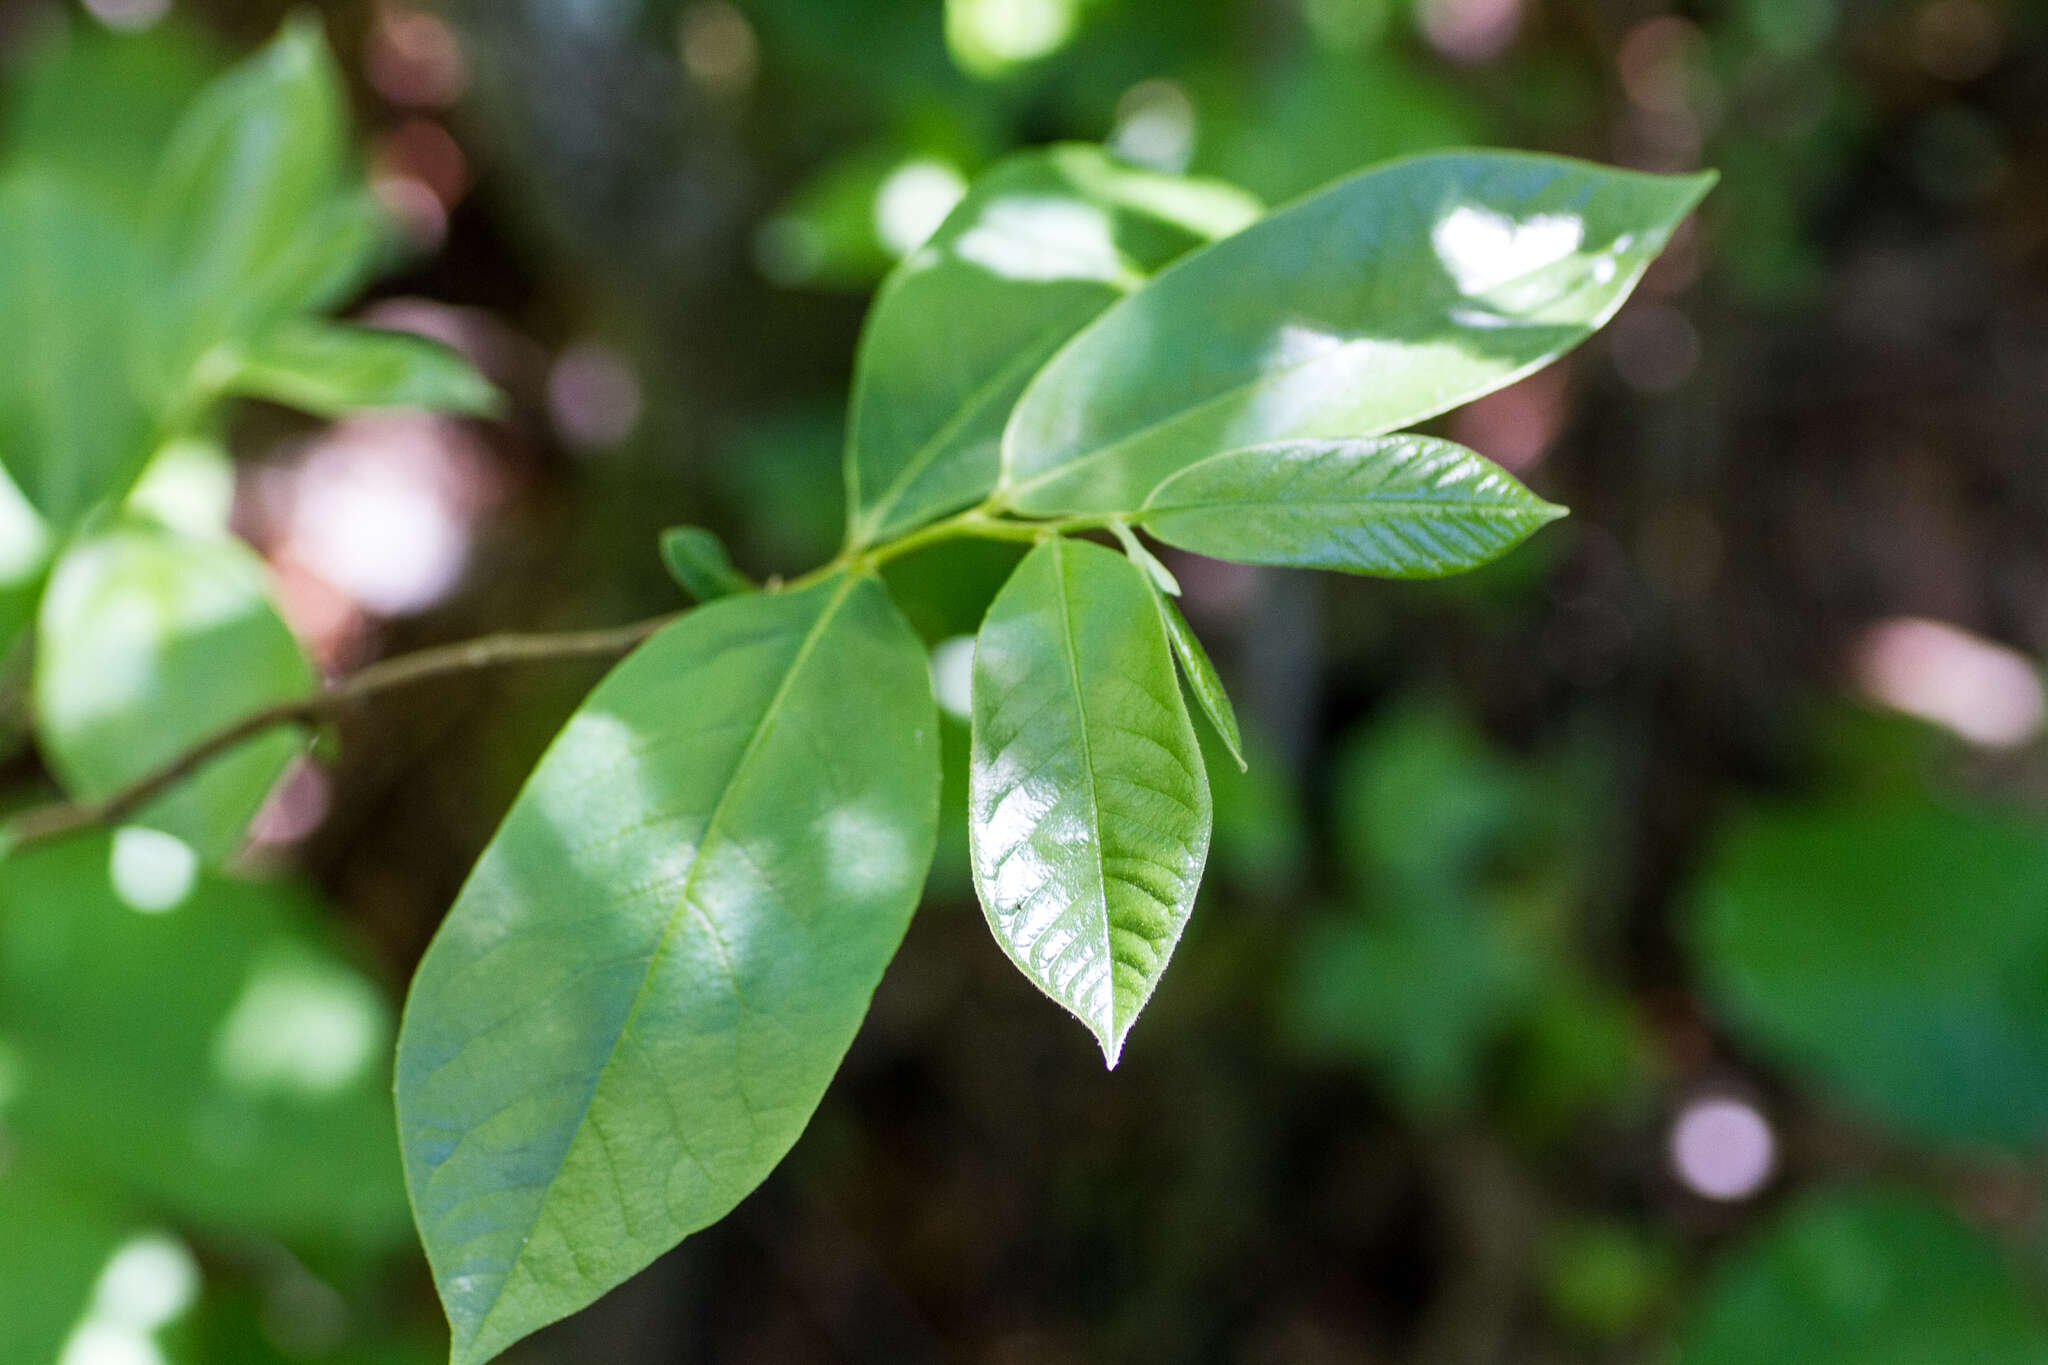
x=344, y=694
x=490, y=651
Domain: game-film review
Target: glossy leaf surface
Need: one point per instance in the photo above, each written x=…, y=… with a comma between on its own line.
x=1898, y=955
x=150, y=642
x=1371, y=305
x=195, y=1038
x=656, y=966
x=1041, y=244
x=697, y=560
x=1395, y=506
x=1867, y=1277
x=330, y=369
x=1089, y=810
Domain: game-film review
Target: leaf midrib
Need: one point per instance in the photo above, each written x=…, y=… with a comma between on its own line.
x=676, y=916
x=1475, y=508
x=1072, y=657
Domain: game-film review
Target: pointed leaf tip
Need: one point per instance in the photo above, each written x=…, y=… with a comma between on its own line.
x=1089, y=809
x=1409, y=288
x=698, y=561
x=1392, y=506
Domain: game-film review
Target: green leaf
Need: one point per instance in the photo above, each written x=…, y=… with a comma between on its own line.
x=1605, y=1278
x=96, y=107
x=1088, y=803
x=698, y=562
x=1421, y=991
x=1380, y=301
x=53, y=1246
x=72, y=432
x=25, y=544
x=1202, y=678
x=1041, y=244
x=188, y=486
x=1897, y=954
x=252, y=215
x=1872, y=1277
x=330, y=370
x=654, y=970
x=196, y=1039
x=149, y=643
x=1395, y=506
x=1134, y=550
x=1425, y=804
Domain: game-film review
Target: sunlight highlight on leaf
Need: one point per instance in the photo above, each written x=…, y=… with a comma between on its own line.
x=1024, y=238
x=1385, y=299
x=1089, y=809
x=914, y=200
x=1482, y=249
x=654, y=970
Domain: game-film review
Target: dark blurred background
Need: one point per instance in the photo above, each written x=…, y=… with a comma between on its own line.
x=1637, y=950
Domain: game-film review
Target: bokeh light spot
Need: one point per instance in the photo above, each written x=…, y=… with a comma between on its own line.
x=301, y=1026
x=1957, y=40
x=414, y=206
x=413, y=60
x=24, y=540
x=989, y=36
x=1663, y=65
x=295, y=806
x=189, y=486
x=913, y=200
x=128, y=16
x=953, y=675
x=1515, y=426
x=718, y=47
x=152, y=872
x=106, y=1343
x=149, y=1282
x=594, y=396
x=1469, y=30
x=1983, y=692
x=1723, y=1149
x=1655, y=348
x=1155, y=126
x=378, y=508
x=421, y=149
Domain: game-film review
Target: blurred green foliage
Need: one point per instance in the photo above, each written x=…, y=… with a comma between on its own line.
x=1874, y=1276
x=1511, y=882
x=1927, y=1001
